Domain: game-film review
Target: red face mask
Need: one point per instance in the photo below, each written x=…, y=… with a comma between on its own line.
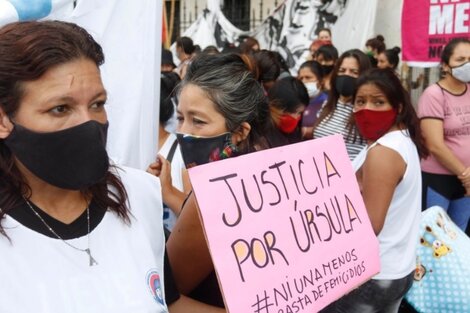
x=287, y=123
x=374, y=124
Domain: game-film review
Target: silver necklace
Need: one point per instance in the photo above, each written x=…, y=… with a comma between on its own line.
x=87, y=250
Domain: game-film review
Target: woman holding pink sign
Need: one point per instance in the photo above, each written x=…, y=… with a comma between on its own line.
x=219, y=116
x=388, y=172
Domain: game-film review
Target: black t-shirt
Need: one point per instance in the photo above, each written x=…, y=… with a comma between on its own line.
x=78, y=228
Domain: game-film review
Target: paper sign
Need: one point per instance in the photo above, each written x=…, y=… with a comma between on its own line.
x=286, y=227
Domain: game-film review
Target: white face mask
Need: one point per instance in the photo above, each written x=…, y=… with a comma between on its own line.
x=462, y=72
x=312, y=89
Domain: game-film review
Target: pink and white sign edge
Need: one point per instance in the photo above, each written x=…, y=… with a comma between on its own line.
x=305, y=241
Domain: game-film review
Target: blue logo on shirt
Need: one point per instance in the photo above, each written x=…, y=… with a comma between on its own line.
x=155, y=286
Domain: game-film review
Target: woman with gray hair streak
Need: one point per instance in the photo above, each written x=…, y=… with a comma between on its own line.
x=82, y=233
x=221, y=113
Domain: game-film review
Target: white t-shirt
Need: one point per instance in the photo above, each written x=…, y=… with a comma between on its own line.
x=177, y=166
x=398, y=238
x=41, y=274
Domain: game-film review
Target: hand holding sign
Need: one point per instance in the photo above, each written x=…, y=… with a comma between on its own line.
x=289, y=231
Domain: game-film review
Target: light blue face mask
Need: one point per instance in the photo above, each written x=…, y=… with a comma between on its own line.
x=462, y=72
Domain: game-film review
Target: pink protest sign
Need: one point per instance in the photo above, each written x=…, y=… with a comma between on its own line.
x=428, y=25
x=286, y=227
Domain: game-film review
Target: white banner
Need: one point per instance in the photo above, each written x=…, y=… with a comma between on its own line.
x=291, y=28
x=130, y=34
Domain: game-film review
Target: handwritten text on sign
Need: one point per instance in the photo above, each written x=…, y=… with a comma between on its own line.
x=287, y=228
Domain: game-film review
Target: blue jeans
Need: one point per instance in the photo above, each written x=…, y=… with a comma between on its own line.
x=374, y=296
x=457, y=209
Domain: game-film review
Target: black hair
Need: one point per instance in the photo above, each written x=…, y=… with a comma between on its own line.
x=287, y=94
x=333, y=96
x=238, y=96
x=329, y=52
x=377, y=43
x=168, y=84
x=389, y=83
x=210, y=50
x=186, y=44
x=392, y=56
x=450, y=47
x=314, y=67
x=268, y=65
x=28, y=50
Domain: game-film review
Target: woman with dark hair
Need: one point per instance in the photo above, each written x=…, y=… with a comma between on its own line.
x=374, y=47
x=185, y=50
x=444, y=118
x=249, y=45
x=287, y=100
x=61, y=201
x=269, y=68
x=335, y=115
x=324, y=34
x=311, y=74
x=388, y=172
x=74, y=228
x=175, y=182
x=220, y=116
x=389, y=58
x=326, y=56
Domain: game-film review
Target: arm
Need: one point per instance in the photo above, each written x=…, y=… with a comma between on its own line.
x=186, y=305
x=187, y=249
x=433, y=133
x=172, y=196
x=381, y=172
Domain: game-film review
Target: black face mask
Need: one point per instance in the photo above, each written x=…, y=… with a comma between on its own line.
x=202, y=150
x=326, y=69
x=346, y=85
x=73, y=158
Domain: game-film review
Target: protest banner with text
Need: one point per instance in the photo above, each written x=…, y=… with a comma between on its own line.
x=286, y=227
x=428, y=25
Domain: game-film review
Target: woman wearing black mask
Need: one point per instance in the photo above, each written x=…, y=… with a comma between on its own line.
x=80, y=233
x=326, y=56
x=336, y=114
x=219, y=116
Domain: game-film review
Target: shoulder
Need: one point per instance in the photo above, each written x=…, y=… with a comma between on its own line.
x=384, y=160
x=400, y=143
x=138, y=184
x=434, y=91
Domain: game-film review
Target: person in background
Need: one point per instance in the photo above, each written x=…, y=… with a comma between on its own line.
x=444, y=114
x=311, y=75
x=335, y=115
x=325, y=34
x=220, y=116
x=70, y=219
x=388, y=173
x=326, y=55
x=184, y=51
x=174, y=181
x=317, y=43
x=210, y=50
x=269, y=68
x=374, y=47
x=167, y=64
x=249, y=45
x=282, y=65
x=287, y=100
x=389, y=58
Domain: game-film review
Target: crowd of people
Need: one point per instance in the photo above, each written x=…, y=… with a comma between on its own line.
x=71, y=218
